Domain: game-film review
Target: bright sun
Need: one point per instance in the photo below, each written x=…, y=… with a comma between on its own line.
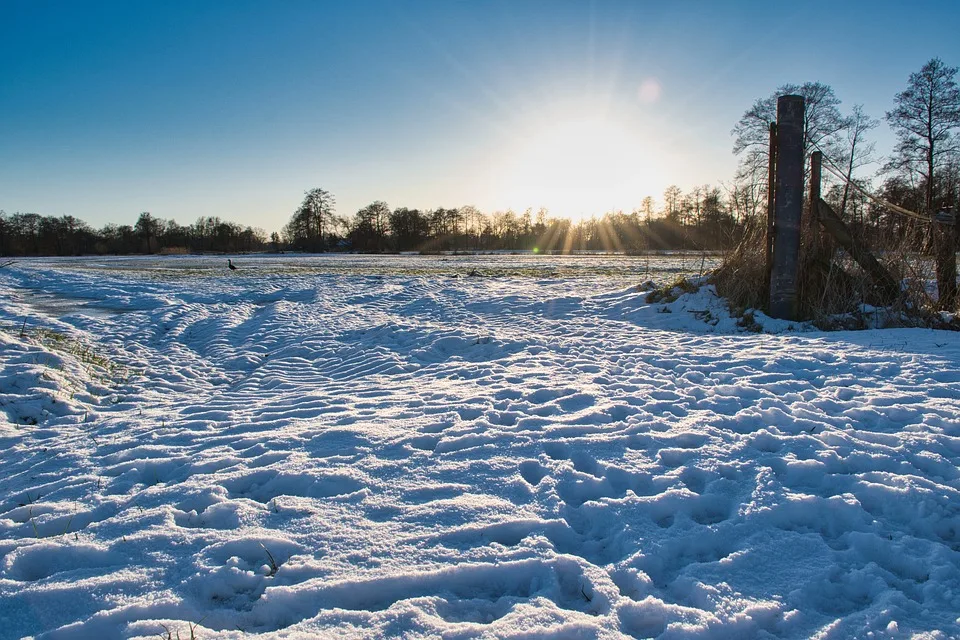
x=575, y=166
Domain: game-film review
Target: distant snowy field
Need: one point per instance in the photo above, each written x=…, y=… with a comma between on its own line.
x=350, y=446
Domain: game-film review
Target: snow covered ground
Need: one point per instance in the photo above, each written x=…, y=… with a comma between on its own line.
x=385, y=448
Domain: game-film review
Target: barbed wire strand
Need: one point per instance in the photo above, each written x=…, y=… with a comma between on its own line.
x=837, y=172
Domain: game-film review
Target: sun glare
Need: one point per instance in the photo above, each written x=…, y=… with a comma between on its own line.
x=576, y=167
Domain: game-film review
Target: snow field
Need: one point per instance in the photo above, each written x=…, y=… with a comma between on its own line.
x=371, y=455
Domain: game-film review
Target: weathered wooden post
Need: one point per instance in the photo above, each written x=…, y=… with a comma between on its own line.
x=789, y=207
x=816, y=177
x=945, y=246
x=771, y=200
x=815, y=262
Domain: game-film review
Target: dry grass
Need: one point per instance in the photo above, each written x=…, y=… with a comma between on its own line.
x=170, y=635
x=741, y=278
x=833, y=291
x=670, y=292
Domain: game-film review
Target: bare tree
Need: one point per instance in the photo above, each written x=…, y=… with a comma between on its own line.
x=858, y=152
x=471, y=217
x=924, y=115
x=646, y=208
x=319, y=205
x=747, y=197
x=672, y=201
x=148, y=228
x=822, y=125
x=372, y=223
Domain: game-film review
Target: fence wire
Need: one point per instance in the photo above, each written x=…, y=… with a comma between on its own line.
x=835, y=170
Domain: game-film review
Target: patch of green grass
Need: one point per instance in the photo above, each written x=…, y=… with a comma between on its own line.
x=58, y=341
x=98, y=365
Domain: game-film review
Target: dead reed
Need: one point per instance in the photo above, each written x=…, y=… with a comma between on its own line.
x=833, y=292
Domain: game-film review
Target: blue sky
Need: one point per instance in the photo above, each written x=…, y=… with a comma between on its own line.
x=235, y=108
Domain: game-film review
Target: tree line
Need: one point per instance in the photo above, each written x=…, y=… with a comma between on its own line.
x=698, y=219
x=32, y=234
x=922, y=174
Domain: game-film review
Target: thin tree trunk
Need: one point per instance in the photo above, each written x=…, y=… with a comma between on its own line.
x=930, y=210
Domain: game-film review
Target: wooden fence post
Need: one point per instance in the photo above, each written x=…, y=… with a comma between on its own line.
x=815, y=264
x=816, y=177
x=771, y=200
x=945, y=246
x=789, y=207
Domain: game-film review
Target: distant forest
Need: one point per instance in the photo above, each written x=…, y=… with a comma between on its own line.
x=700, y=219
x=704, y=218
x=922, y=175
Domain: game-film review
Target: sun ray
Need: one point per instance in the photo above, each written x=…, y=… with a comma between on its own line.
x=568, y=238
x=608, y=235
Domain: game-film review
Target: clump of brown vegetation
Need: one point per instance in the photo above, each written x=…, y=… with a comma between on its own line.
x=741, y=278
x=833, y=291
x=673, y=290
